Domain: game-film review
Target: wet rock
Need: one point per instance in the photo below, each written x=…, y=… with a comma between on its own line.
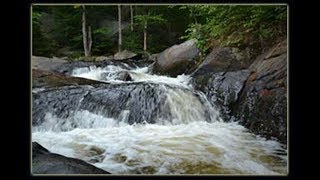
x=45, y=162
x=222, y=89
x=256, y=96
x=177, y=59
x=44, y=79
x=262, y=106
x=222, y=60
x=142, y=101
x=121, y=75
x=135, y=102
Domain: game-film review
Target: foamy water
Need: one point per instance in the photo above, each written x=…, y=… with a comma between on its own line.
x=186, y=144
x=195, y=147
x=110, y=74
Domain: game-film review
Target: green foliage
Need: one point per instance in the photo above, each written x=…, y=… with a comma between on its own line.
x=133, y=40
x=101, y=41
x=56, y=30
x=36, y=18
x=233, y=25
x=150, y=19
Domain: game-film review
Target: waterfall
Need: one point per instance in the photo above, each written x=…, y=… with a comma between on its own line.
x=149, y=125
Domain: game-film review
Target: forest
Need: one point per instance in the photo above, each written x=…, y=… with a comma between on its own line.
x=57, y=30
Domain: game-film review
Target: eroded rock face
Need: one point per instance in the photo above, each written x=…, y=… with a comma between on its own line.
x=45, y=162
x=257, y=96
x=142, y=101
x=262, y=106
x=222, y=89
x=177, y=59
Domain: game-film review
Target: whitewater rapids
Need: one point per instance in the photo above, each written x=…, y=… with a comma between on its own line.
x=187, y=144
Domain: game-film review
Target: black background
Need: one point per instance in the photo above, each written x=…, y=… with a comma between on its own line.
x=299, y=70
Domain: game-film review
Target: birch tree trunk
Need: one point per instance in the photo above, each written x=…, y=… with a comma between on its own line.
x=145, y=37
x=84, y=33
x=119, y=26
x=89, y=42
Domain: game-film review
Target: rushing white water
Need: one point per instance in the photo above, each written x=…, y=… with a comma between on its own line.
x=110, y=73
x=185, y=144
x=195, y=147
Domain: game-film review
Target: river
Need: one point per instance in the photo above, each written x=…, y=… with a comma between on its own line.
x=185, y=136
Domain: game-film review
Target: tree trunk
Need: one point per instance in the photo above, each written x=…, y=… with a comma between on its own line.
x=145, y=37
x=120, y=33
x=84, y=33
x=89, y=41
x=131, y=15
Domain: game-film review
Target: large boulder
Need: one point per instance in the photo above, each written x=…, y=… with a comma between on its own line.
x=141, y=101
x=222, y=89
x=262, y=105
x=45, y=162
x=256, y=96
x=223, y=60
x=177, y=59
x=135, y=102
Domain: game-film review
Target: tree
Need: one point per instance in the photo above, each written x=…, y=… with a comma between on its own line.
x=87, y=37
x=235, y=25
x=58, y=29
x=146, y=19
x=119, y=29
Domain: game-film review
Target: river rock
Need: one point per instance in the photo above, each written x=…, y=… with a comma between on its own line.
x=47, y=64
x=262, y=105
x=222, y=60
x=120, y=75
x=104, y=58
x=135, y=102
x=45, y=162
x=143, y=102
x=124, y=55
x=222, y=89
x=177, y=59
x=256, y=96
x=44, y=79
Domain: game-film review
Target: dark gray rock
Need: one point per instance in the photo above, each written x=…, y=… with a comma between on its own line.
x=45, y=162
x=177, y=59
x=121, y=75
x=256, y=96
x=262, y=106
x=222, y=89
x=143, y=101
x=222, y=60
x=44, y=79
